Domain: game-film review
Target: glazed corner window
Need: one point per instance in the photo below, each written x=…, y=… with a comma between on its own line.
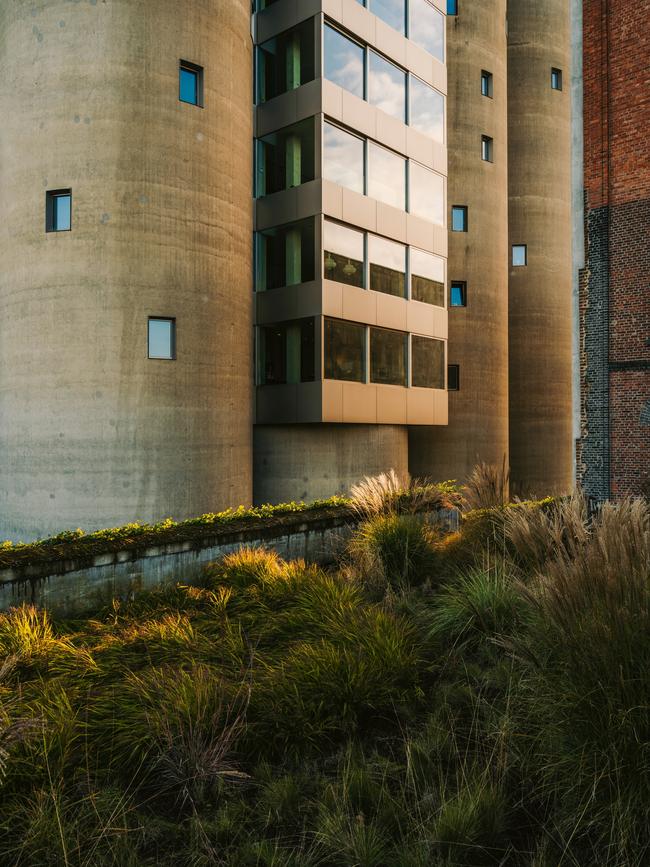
x=487, y=148
x=388, y=351
x=452, y=7
x=386, y=86
x=285, y=159
x=161, y=342
x=393, y=12
x=458, y=294
x=344, y=61
x=427, y=28
x=190, y=83
x=58, y=210
x=426, y=194
x=343, y=256
x=519, y=255
x=459, y=218
x=453, y=377
x=486, y=84
x=286, y=353
x=285, y=62
x=345, y=351
x=427, y=278
x=556, y=79
x=387, y=266
x=285, y=255
x=428, y=362
x=343, y=158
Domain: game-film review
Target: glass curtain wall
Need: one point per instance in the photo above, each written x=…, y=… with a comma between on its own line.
x=386, y=86
x=426, y=109
x=344, y=61
x=343, y=158
x=426, y=25
x=427, y=278
x=386, y=176
x=426, y=193
x=343, y=258
x=387, y=266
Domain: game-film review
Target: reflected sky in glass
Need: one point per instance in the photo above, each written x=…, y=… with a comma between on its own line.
x=386, y=176
x=387, y=87
x=391, y=11
x=62, y=213
x=188, y=86
x=427, y=109
x=343, y=158
x=427, y=194
x=343, y=61
x=390, y=254
x=346, y=242
x=427, y=265
x=161, y=338
x=427, y=28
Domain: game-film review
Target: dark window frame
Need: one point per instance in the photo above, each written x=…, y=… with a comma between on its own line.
x=453, y=377
x=50, y=211
x=556, y=78
x=487, y=84
x=512, y=260
x=462, y=284
x=465, y=212
x=487, y=149
x=172, y=356
x=198, y=71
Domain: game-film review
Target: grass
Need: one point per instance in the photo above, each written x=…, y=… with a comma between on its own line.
x=479, y=698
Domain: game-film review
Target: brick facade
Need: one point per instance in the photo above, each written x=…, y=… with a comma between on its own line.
x=614, y=449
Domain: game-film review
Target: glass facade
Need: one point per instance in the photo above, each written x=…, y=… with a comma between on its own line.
x=387, y=86
x=343, y=158
x=427, y=362
x=285, y=62
x=426, y=109
x=427, y=28
x=284, y=255
x=287, y=352
x=285, y=159
x=343, y=258
x=387, y=266
x=388, y=356
x=345, y=350
x=426, y=193
x=427, y=278
x=386, y=176
x=343, y=61
x=393, y=12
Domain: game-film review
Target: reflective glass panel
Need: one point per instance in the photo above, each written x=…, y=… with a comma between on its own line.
x=428, y=362
x=426, y=194
x=189, y=86
x=459, y=218
x=458, y=295
x=393, y=12
x=427, y=28
x=343, y=61
x=388, y=351
x=343, y=158
x=62, y=213
x=161, y=338
x=519, y=255
x=387, y=86
x=427, y=278
x=427, y=109
x=387, y=266
x=343, y=257
x=345, y=350
x=386, y=176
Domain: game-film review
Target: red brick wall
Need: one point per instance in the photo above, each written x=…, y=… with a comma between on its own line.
x=630, y=438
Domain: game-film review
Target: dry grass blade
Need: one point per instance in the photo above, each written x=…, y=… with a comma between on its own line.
x=538, y=535
x=488, y=486
x=378, y=495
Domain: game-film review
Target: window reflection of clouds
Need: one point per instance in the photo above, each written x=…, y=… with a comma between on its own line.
x=427, y=265
x=346, y=242
x=427, y=27
x=343, y=61
x=426, y=194
x=343, y=158
x=386, y=176
x=390, y=254
x=390, y=11
x=387, y=87
x=427, y=109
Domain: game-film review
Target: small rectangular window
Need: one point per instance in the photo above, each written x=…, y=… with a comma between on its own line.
x=452, y=7
x=519, y=255
x=58, y=211
x=486, y=83
x=162, y=338
x=556, y=79
x=190, y=84
x=459, y=218
x=458, y=294
x=487, y=146
x=453, y=377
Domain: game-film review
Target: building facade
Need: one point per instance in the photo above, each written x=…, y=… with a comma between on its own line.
x=613, y=454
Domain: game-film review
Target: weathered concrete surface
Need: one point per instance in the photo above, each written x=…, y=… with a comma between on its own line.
x=478, y=333
x=309, y=462
x=92, y=433
x=540, y=294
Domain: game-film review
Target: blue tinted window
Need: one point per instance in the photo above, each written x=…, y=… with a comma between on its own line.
x=427, y=27
x=452, y=7
x=457, y=295
x=62, y=213
x=519, y=255
x=393, y=12
x=343, y=61
x=387, y=86
x=427, y=109
x=190, y=84
x=459, y=218
x=161, y=338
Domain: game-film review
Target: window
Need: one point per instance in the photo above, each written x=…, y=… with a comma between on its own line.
x=556, y=79
x=284, y=255
x=162, y=338
x=386, y=176
x=427, y=28
x=459, y=218
x=190, y=83
x=388, y=350
x=344, y=61
x=458, y=294
x=453, y=377
x=386, y=86
x=426, y=193
x=519, y=255
x=427, y=278
x=344, y=254
x=285, y=159
x=428, y=362
x=393, y=12
x=286, y=353
x=387, y=266
x=426, y=109
x=58, y=211
x=452, y=7
x=345, y=351
x=487, y=146
x=486, y=83
x=285, y=62
x=343, y=158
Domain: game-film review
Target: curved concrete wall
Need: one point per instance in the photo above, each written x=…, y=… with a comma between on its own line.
x=539, y=135
x=92, y=433
x=307, y=462
x=478, y=333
